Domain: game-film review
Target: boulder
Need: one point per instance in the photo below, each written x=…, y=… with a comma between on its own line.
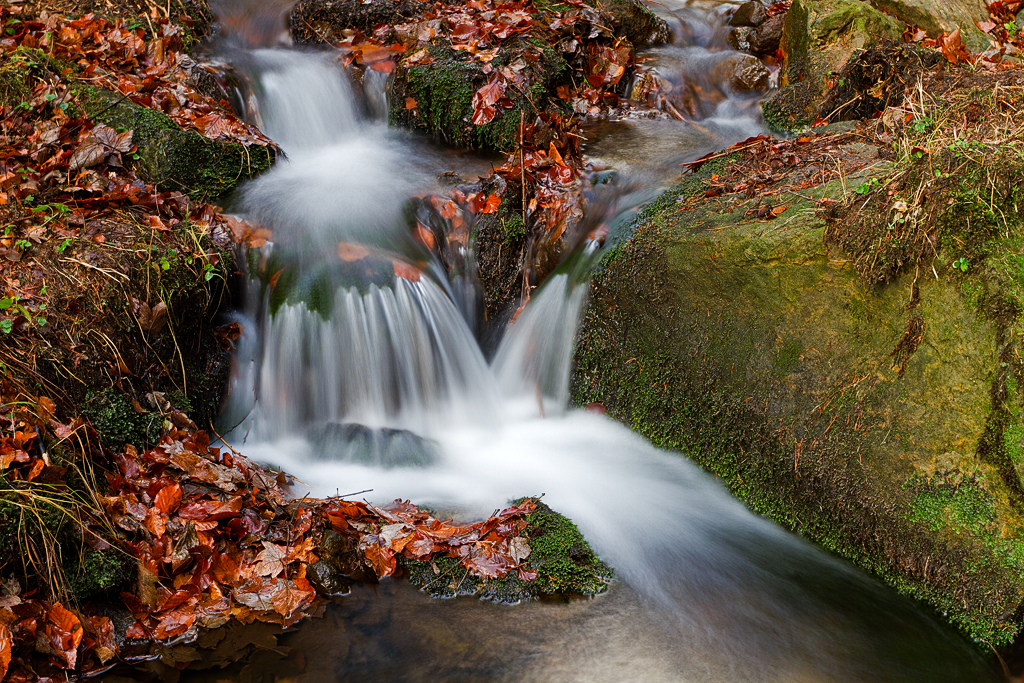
x=766, y=38
x=639, y=25
x=171, y=157
x=865, y=417
x=817, y=42
x=938, y=16
x=749, y=14
x=742, y=73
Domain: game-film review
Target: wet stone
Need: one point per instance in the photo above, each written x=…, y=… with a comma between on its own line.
x=351, y=442
x=766, y=38
x=327, y=579
x=739, y=38
x=749, y=14
x=742, y=73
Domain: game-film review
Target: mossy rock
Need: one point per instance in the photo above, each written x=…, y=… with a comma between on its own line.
x=566, y=567
x=173, y=158
x=818, y=40
x=639, y=25
x=746, y=346
x=442, y=93
x=315, y=22
x=938, y=16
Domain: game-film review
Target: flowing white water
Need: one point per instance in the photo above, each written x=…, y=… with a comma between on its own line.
x=388, y=391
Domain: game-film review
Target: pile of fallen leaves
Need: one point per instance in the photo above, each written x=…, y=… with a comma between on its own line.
x=214, y=536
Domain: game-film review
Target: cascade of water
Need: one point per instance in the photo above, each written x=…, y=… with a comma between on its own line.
x=387, y=390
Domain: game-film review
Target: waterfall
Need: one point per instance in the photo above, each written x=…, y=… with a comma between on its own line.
x=379, y=384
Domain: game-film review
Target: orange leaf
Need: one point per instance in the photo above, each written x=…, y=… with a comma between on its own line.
x=168, y=499
x=410, y=103
x=352, y=252
x=6, y=640
x=493, y=202
x=381, y=559
x=62, y=633
x=405, y=270
x=779, y=209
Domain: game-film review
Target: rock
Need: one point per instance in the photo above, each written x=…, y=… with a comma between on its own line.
x=171, y=157
x=766, y=38
x=772, y=366
x=383, y=447
x=639, y=25
x=742, y=73
x=818, y=42
x=442, y=89
x=937, y=16
x=316, y=22
x=749, y=14
x=739, y=38
x=327, y=579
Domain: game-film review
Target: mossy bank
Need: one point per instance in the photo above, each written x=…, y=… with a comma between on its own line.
x=874, y=419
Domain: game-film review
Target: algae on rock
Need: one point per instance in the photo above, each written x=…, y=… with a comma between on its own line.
x=173, y=158
x=818, y=40
x=747, y=346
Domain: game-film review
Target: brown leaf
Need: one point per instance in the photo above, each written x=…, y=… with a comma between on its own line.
x=381, y=560
x=90, y=153
x=6, y=641
x=120, y=142
x=289, y=597
x=60, y=636
x=174, y=623
x=100, y=638
x=168, y=498
x=270, y=561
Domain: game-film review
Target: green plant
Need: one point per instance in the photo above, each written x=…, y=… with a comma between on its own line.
x=14, y=304
x=867, y=187
x=962, y=263
x=922, y=124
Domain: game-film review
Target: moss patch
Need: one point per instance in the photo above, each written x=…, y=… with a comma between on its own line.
x=172, y=158
x=565, y=564
x=443, y=93
x=742, y=344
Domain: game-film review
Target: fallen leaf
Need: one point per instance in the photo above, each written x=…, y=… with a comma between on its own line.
x=6, y=641
x=270, y=561
x=60, y=636
x=168, y=498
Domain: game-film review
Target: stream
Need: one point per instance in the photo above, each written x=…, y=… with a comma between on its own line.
x=387, y=389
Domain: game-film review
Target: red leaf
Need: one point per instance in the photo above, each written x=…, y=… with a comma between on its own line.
x=210, y=510
x=168, y=499
x=174, y=623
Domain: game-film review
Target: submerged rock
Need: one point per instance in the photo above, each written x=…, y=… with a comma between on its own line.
x=384, y=447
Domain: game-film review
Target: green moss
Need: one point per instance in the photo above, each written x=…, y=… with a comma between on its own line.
x=173, y=158
x=746, y=348
x=962, y=506
x=113, y=416
x=98, y=573
x=566, y=567
x=443, y=91
x=563, y=559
